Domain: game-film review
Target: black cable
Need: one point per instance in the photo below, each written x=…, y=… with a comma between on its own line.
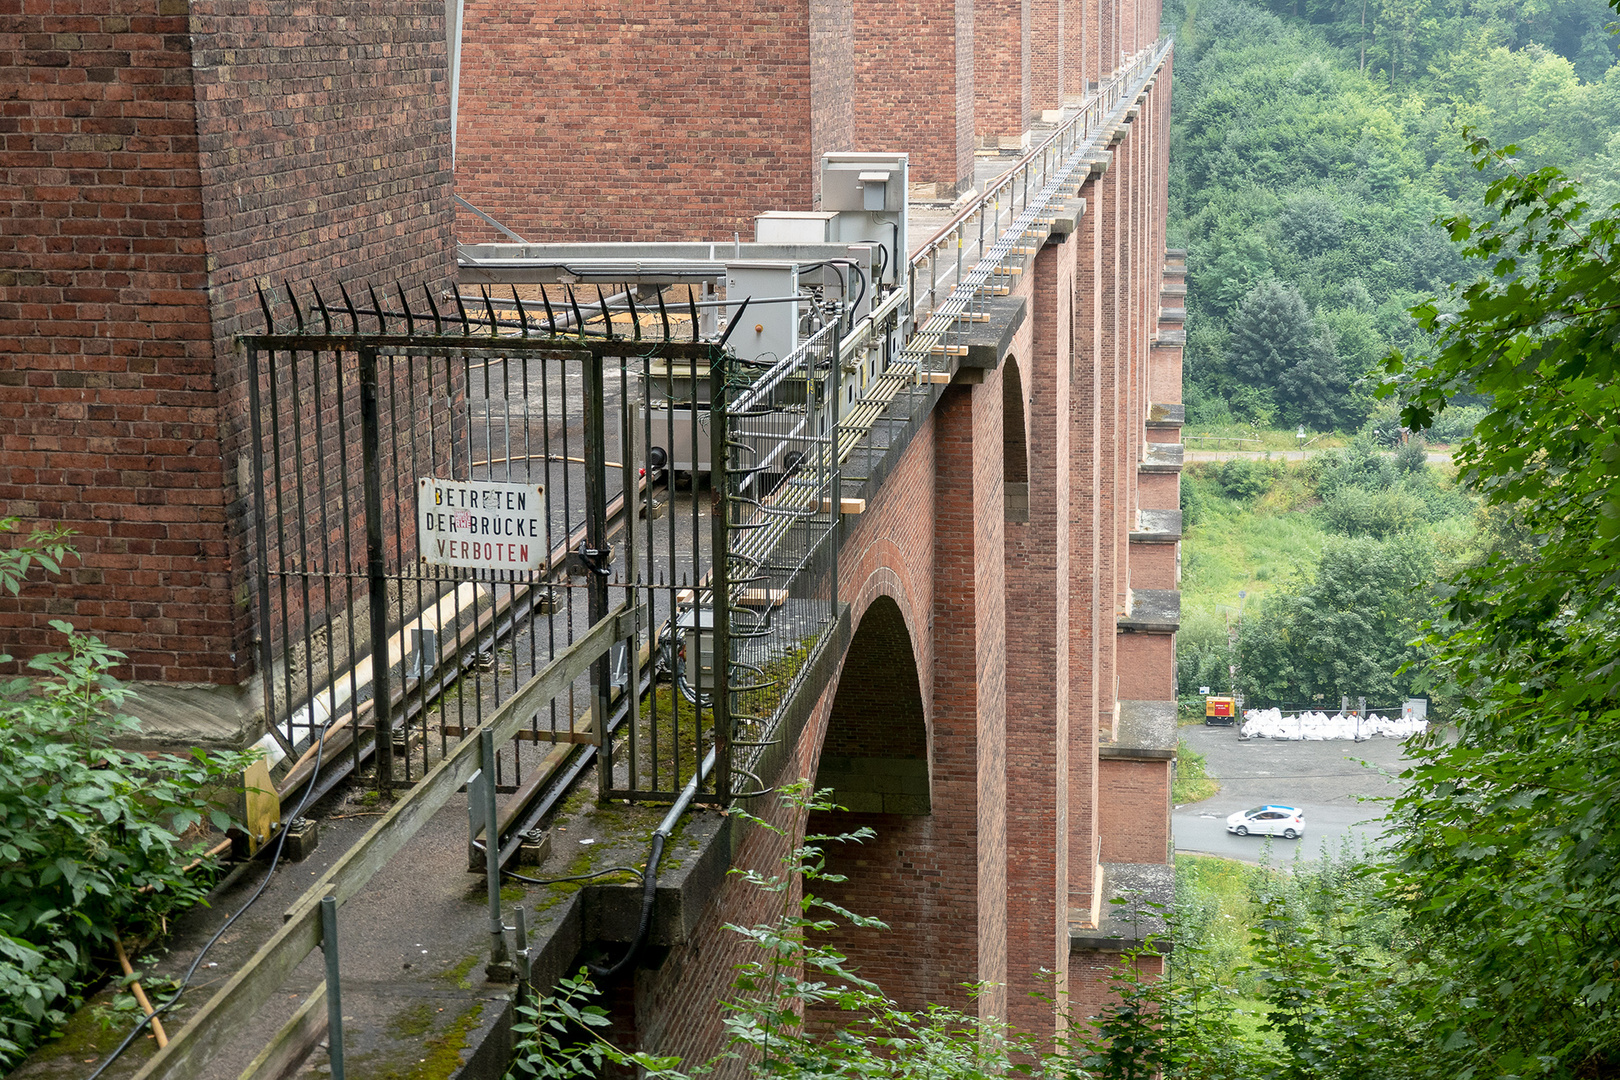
x=281, y=841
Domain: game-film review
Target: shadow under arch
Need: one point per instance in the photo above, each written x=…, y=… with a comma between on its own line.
x=875, y=753
x=1014, y=446
x=876, y=758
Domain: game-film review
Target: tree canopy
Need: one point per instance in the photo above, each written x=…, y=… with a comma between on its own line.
x=1510, y=834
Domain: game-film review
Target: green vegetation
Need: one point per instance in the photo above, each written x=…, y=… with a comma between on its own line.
x=1311, y=578
x=1192, y=781
x=95, y=842
x=1511, y=830
x=1317, y=143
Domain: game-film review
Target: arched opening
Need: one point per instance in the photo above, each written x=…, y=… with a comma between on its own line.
x=875, y=754
x=876, y=759
x=1014, y=448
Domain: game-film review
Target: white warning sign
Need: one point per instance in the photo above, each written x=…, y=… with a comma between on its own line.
x=481, y=524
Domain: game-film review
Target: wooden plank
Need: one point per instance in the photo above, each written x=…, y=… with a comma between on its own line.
x=845, y=506
x=577, y=735
x=295, y=1041
x=234, y=1006
x=934, y=376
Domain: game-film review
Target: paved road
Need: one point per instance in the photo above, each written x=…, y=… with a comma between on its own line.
x=1329, y=780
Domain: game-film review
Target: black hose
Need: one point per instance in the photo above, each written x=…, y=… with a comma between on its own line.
x=649, y=893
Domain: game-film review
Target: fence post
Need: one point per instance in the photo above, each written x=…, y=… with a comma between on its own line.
x=492, y=856
x=720, y=477
x=376, y=582
x=595, y=556
x=334, y=993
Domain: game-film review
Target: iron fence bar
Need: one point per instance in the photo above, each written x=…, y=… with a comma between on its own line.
x=376, y=588
x=262, y=538
x=594, y=554
x=721, y=479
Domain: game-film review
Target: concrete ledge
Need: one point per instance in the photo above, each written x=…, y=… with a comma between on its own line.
x=1148, y=891
x=1176, y=289
x=1156, y=526
x=1171, y=337
x=1175, y=316
x=1100, y=161
x=987, y=342
x=181, y=716
x=1152, y=611
x=1066, y=217
x=1147, y=731
x=1162, y=458
x=1167, y=414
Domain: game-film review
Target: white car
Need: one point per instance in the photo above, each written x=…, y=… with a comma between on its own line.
x=1284, y=821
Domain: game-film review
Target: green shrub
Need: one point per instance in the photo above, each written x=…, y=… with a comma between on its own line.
x=94, y=841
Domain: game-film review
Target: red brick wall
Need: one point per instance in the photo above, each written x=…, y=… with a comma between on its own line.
x=1048, y=56
x=1091, y=619
x=1153, y=566
x=107, y=397
x=970, y=660
x=909, y=86
x=1135, y=818
x=1111, y=481
x=1001, y=71
x=1090, y=980
x=662, y=122
x=1147, y=667
x=156, y=161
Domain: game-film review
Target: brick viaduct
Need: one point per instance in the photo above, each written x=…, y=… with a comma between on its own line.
x=1012, y=586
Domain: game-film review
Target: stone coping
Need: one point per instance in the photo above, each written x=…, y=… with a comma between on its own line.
x=1167, y=414
x=1162, y=458
x=1148, y=891
x=1156, y=526
x=1147, y=731
x=987, y=342
x=1152, y=611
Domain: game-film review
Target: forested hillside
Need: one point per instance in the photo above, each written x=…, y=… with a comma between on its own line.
x=1315, y=144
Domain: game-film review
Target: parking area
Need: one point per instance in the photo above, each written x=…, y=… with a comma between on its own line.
x=1339, y=785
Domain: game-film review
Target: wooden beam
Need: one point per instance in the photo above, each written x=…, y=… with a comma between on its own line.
x=295, y=1041
x=845, y=506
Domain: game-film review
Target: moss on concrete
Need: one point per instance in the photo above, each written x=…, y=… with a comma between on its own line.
x=459, y=973
x=436, y=1057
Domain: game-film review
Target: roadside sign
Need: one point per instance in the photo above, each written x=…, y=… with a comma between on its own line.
x=481, y=524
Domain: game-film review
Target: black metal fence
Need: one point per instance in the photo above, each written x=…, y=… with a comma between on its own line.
x=441, y=504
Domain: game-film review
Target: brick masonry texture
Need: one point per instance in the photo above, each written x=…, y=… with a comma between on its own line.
x=664, y=121
x=1001, y=71
x=914, y=90
x=161, y=159
x=164, y=159
x=1135, y=819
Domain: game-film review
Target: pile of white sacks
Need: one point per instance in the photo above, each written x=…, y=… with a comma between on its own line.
x=1315, y=726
